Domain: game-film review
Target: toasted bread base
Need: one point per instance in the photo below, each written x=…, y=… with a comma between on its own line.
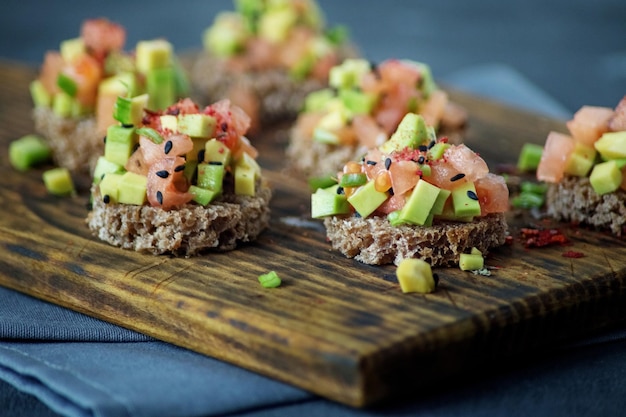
x=187, y=231
x=75, y=142
x=574, y=200
x=375, y=241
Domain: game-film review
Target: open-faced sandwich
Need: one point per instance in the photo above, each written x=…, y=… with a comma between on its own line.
x=267, y=55
x=179, y=181
x=586, y=169
x=362, y=107
x=414, y=196
x=77, y=86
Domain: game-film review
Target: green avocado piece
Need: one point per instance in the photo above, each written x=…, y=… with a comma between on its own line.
x=357, y=102
x=471, y=261
x=328, y=202
x=28, y=151
x=120, y=144
x=129, y=111
x=217, y=151
x=606, y=177
x=202, y=195
x=411, y=133
x=366, y=199
x=275, y=25
x=440, y=203
x=103, y=167
x=211, y=176
x=197, y=125
x=109, y=186
x=244, y=180
x=132, y=188
x=317, y=100
x=581, y=160
x=153, y=54
x=39, y=94
x=58, y=181
x=121, y=84
x=62, y=104
x=529, y=157
x=348, y=73
x=418, y=207
x=72, y=48
x=465, y=201
x=227, y=35
x=612, y=145
x=426, y=82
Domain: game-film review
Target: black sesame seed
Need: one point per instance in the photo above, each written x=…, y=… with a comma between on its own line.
x=357, y=215
x=371, y=163
x=340, y=190
x=179, y=168
x=390, y=191
x=104, y=139
x=387, y=163
x=174, y=111
x=423, y=148
x=421, y=160
x=163, y=174
x=106, y=199
x=457, y=177
x=201, y=155
x=159, y=196
x=127, y=126
x=431, y=144
x=168, y=147
x=135, y=147
x=216, y=163
x=471, y=194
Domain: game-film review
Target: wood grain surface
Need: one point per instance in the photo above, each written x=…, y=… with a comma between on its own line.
x=336, y=327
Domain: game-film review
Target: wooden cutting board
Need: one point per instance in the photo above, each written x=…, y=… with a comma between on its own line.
x=335, y=327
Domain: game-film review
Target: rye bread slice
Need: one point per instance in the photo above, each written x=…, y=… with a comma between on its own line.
x=187, y=231
x=374, y=241
x=574, y=200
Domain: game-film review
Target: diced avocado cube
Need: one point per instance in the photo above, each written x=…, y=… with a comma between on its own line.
x=275, y=25
x=120, y=144
x=437, y=151
x=465, y=200
x=58, y=181
x=197, y=125
x=317, y=100
x=247, y=161
x=79, y=109
x=72, y=48
x=475, y=251
x=28, y=151
x=244, y=180
x=190, y=170
x=62, y=104
x=394, y=218
x=606, y=177
x=202, y=195
x=40, y=96
x=529, y=157
x=367, y=199
x=153, y=54
x=448, y=214
x=117, y=62
x=129, y=111
x=217, y=151
x=440, y=203
x=211, y=176
x=333, y=120
x=348, y=73
x=169, y=122
x=357, y=102
x=227, y=35
x=328, y=202
x=302, y=68
x=580, y=160
x=161, y=88
x=411, y=133
x=612, y=145
x=122, y=84
x=471, y=261
x=103, y=167
x=132, y=188
x=181, y=80
x=322, y=135
x=415, y=275
x=426, y=82
x=109, y=186
x=419, y=205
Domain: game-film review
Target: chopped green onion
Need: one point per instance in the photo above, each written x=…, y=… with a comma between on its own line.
x=529, y=157
x=353, y=179
x=151, y=134
x=527, y=200
x=270, y=280
x=321, y=182
x=534, y=187
x=67, y=84
x=337, y=35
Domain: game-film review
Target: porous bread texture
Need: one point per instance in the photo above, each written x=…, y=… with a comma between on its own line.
x=574, y=200
x=280, y=95
x=373, y=240
x=75, y=142
x=187, y=231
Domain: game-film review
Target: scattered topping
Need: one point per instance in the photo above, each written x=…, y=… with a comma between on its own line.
x=416, y=275
x=536, y=238
x=58, y=181
x=573, y=254
x=529, y=157
x=472, y=261
x=28, y=151
x=270, y=280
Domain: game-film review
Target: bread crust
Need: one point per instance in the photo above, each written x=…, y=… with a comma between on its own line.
x=75, y=142
x=574, y=200
x=373, y=240
x=187, y=231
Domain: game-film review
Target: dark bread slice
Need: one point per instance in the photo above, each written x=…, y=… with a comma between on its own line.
x=375, y=241
x=574, y=200
x=187, y=231
x=75, y=143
